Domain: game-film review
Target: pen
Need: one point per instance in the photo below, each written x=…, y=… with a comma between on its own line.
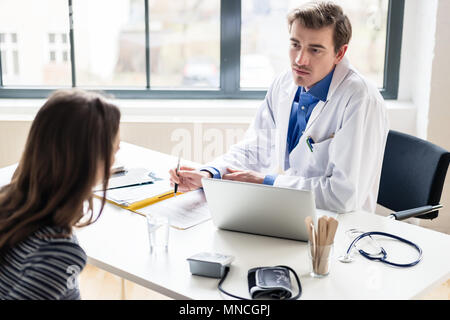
x=131, y=185
x=116, y=174
x=310, y=142
x=118, y=170
x=178, y=168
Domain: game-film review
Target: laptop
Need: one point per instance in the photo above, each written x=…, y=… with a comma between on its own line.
x=259, y=209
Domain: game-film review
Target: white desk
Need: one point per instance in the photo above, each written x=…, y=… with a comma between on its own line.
x=118, y=243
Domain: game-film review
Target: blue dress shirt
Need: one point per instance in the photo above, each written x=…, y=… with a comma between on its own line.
x=215, y=173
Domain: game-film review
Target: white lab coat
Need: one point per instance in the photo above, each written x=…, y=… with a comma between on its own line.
x=349, y=131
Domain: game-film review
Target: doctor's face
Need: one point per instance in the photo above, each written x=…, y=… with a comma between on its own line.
x=312, y=53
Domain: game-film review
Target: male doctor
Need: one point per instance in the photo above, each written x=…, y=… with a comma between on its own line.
x=322, y=125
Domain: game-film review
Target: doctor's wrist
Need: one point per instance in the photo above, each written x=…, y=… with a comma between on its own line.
x=214, y=173
x=206, y=174
x=270, y=179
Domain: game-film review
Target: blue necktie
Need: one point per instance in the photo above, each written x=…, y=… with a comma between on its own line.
x=303, y=111
x=306, y=99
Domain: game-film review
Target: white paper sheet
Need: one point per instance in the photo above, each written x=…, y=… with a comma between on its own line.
x=184, y=210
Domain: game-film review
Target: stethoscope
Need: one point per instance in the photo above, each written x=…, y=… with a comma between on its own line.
x=382, y=254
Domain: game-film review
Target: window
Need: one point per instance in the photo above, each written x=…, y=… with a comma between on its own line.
x=177, y=48
x=9, y=54
x=184, y=43
x=109, y=48
x=31, y=46
x=264, y=22
x=52, y=56
x=58, y=48
x=4, y=61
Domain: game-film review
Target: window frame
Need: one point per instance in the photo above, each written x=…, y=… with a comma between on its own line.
x=230, y=52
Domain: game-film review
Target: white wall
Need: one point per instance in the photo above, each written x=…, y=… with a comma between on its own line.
x=439, y=111
x=438, y=130
x=417, y=56
x=424, y=80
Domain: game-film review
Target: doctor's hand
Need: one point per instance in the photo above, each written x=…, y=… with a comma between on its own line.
x=188, y=178
x=244, y=176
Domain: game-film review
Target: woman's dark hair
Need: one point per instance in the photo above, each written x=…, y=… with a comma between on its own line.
x=71, y=137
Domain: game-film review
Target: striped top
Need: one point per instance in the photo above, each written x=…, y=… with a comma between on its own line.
x=42, y=267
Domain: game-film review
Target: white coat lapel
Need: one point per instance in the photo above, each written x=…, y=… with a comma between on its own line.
x=339, y=74
x=284, y=112
x=341, y=71
x=315, y=113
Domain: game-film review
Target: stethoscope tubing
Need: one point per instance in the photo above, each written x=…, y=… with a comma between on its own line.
x=383, y=252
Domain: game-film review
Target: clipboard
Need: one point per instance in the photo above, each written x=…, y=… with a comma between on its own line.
x=137, y=196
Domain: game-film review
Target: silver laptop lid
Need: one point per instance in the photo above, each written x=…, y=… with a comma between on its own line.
x=259, y=209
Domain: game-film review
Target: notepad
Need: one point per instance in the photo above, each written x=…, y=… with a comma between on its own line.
x=184, y=211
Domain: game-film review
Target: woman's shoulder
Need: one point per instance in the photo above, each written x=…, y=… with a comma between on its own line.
x=45, y=266
x=56, y=245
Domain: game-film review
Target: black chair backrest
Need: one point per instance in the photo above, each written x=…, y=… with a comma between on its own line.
x=413, y=173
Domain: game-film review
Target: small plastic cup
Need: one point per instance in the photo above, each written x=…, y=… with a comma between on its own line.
x=320, y=258
x=158, y=232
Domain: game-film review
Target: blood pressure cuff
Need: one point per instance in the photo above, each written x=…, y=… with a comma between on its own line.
x=269, y=282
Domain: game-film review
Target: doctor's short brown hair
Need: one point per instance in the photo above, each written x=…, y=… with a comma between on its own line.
x=317, y=15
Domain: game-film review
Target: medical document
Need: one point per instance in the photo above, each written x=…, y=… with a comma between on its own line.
x=184, y=211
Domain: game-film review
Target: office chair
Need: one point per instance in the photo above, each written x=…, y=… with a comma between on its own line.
x=412, y=176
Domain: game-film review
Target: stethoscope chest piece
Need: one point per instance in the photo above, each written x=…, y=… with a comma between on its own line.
x=345, y=258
